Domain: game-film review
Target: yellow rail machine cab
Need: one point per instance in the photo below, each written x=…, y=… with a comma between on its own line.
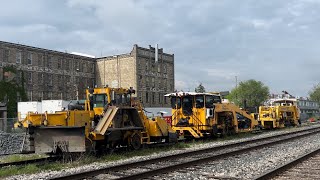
x=280, y=112
x=192, y=113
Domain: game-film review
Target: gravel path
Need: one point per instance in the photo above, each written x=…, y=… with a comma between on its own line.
x=48, y=174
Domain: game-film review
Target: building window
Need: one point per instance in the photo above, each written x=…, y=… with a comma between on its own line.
x=147, y=81
x=153, y=68
x=30, y=95
x=147, y=65
x=40, y=60
x=153, y=98
x=77, y=65
x=65, y=63
x=29, y=58
x=147, y=97
x=50, y=79
x=40, y=78
x=153, y=82
x=49, y=65
x=6, y=54
x=29, y=77
x=18, y=57
x=50, y=95
x=160, y=98
x=60, y=80
x=159, y=68
x=59, y=63
x=67, y=80
x=165, y=100
x=77, y=80
x=91, y=66
x=164, y=68
x=84, y=67
x=40, y=95
x=19, y=77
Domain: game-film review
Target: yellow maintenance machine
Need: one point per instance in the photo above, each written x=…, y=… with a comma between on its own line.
x=196, y=115
x=281, y=112
x=109, y=118
x=231, y=119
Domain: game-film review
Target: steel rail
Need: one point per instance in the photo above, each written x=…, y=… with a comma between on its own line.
x=280, y=169
x=149, y=173
x=171, y=168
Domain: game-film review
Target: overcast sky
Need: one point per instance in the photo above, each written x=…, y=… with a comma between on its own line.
x=273, y=41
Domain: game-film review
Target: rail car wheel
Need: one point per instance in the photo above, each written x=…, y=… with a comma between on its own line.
x=135, y=142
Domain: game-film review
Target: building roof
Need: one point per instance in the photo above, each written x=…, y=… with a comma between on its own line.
x=188, y=93
x=42, y=49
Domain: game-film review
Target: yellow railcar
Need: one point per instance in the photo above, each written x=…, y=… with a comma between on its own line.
x=280, y=113
x=231, y=119
x=192, y=113
x=109, y=118
x=197, y=115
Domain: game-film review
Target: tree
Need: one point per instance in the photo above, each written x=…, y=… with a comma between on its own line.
x=10, y=89
x=315, y=93
x=200, y=89
x=252, y=91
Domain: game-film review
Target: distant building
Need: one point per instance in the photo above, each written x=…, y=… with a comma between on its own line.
x=141, y=70
x=308, y=108
x=47, y=74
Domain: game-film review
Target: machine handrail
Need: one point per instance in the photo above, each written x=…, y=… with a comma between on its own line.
x=199, y=123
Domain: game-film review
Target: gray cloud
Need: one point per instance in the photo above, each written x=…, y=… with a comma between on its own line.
x=213, y=41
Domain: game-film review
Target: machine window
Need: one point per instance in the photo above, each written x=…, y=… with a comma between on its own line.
x=216, y=99
x=209, y=101
x=187, y=104
x=199, y=101
x=100, y=100
x=175, y=102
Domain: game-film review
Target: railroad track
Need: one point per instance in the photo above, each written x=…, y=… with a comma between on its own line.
x=30, y=161
x=303, y=167
x=157, y=166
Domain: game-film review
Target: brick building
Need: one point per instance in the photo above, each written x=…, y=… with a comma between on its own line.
x=151, y=76
x=47, y=74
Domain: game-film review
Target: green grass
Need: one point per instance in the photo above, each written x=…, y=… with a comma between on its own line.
x=21, y=157
x=29, y=169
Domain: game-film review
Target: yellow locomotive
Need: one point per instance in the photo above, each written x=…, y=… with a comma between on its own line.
x=196, y=115
x=109, y=118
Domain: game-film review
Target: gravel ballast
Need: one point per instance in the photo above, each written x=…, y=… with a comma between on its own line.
x=10, y=143
x=232, y=172
x=248, y=166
